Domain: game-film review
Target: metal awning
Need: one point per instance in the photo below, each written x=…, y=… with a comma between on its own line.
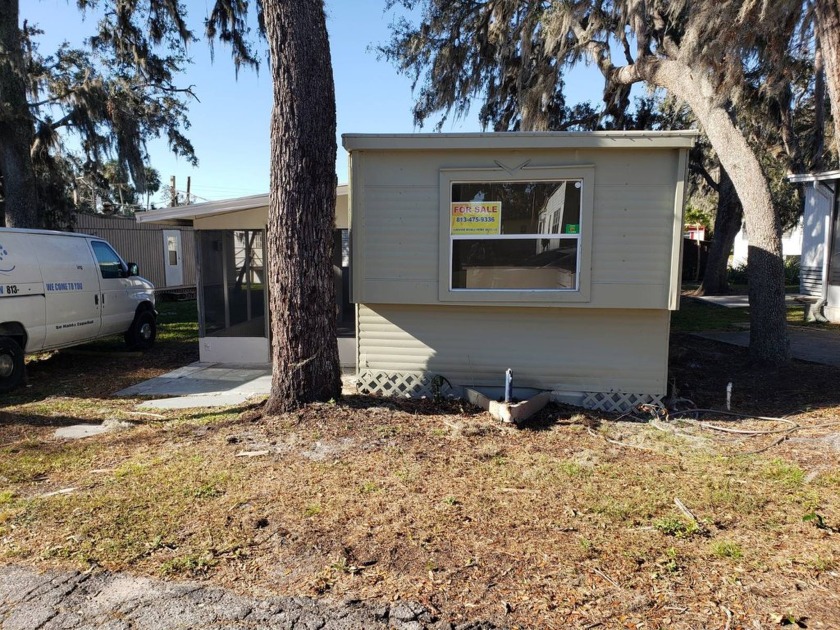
x=186, y=215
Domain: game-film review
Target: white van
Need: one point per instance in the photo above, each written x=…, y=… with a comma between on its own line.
x=59, y=289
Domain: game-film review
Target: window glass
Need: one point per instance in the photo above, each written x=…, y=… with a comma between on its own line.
x=345, y=248
x=515, y=235
x=172, y=250
x=514, y=264
x=110, y=265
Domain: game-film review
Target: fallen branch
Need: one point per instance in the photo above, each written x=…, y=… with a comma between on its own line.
x=689, y=514
x=766, y=448
x=733, y=414
x=607, y=578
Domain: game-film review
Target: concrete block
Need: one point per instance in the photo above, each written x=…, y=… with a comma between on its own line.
x=509, y=412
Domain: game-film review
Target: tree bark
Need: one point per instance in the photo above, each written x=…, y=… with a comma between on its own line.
x=828, y=33
x=302, y=207
x=818, y=140
x=16, y=125
x=768, y=322
x=727, y=223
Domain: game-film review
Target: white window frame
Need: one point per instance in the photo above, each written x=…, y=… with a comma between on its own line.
x=582, y=173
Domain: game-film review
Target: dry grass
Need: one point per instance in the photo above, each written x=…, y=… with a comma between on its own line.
x=547, y=526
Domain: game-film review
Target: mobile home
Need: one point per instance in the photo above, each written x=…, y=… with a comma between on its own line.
x=819, y=270
x=556, y=255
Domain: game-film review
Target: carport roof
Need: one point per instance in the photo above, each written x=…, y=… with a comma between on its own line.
x=185, y=215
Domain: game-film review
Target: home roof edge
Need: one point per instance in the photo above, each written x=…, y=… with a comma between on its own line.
x=520, y=140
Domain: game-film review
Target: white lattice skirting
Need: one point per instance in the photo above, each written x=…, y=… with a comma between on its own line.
x=407, y=384
x=619, y=402
x=419, y=384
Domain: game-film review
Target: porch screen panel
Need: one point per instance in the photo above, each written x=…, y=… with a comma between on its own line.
x=232, y=283
x=245, y=288
x=211, y=281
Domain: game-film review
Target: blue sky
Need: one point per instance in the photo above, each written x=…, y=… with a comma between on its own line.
x=230, y=121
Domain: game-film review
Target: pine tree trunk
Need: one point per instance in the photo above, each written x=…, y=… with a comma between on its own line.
x=727, y=224
x=16, y=125
x=768, y=321
x=828, y=33
x=302, y=207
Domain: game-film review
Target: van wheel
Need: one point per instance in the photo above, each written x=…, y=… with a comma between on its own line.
x=11, y=364
x=141, y=335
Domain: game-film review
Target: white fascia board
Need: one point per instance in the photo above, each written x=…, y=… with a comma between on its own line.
x=520, y=140
x=813, y=177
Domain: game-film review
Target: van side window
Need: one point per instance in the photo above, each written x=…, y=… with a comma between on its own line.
x=109, y=262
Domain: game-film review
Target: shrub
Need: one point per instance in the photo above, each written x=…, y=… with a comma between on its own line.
x=739, y=275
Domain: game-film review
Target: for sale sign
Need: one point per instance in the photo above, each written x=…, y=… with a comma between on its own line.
x=476, y=217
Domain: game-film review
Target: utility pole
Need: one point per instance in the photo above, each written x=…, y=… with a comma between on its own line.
x=188, y=189
x=173, y=194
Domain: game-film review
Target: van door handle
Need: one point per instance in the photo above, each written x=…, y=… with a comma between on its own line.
x=96, y=299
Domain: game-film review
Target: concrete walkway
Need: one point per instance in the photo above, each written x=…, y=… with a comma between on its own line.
x=807, y=344
x=109, y=601
x=743, y=301
x=203, y=385
x=217, y=385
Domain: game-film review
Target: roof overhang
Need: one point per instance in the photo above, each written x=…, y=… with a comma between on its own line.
x=186, y=215
x=521, y=140
x=801, y=178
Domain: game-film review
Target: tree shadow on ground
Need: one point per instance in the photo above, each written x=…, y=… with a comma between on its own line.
x=96, y=370
x=700, y=370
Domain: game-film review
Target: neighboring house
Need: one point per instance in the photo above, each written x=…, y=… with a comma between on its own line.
x=231, y=261
x=695, y=232
x=556, y=255
x=819, y=270
x=165, y=256
x=791, y=245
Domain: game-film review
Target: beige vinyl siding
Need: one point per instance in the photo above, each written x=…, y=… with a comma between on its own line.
x=394, y=221
x=631, y=240
x=637, y=210
x=565, y=350
x=655, y=167
x=250, y=219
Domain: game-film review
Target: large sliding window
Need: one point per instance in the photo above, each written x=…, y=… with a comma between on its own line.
x=516, y=237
